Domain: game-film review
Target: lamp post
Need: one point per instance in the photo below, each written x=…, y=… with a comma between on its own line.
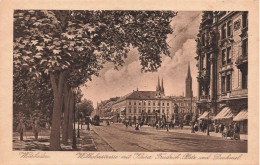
x=78, y=123
x=208, y=124
x=167, y=125
x=74, y=145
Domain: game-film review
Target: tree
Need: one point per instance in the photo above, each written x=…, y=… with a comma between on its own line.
x=86, y=107
x=71, y=46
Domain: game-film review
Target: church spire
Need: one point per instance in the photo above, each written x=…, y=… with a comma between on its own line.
x=189, y=92
x=188, y=74
x=158, y=87
x=162, y=87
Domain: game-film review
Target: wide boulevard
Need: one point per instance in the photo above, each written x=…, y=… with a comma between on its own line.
x=117, y=137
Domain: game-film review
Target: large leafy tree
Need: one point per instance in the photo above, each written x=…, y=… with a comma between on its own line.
x=86, y=108
x=71, y=46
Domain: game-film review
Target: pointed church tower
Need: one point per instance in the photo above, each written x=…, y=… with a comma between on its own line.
x=158, y=87
x=188, y=92
x=162, y=90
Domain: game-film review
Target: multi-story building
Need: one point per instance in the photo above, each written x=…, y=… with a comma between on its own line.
x=222, y=49
x=153, y=105
x=145, y=105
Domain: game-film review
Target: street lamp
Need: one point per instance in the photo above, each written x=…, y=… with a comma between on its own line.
x=208, y=123
x=78, y=123
x=167, y=126
x=74, y=145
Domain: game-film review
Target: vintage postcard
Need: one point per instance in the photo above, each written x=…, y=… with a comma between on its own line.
x=129, y=82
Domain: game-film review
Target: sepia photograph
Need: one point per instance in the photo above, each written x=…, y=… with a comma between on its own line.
x=137, y=81
x=129, y=82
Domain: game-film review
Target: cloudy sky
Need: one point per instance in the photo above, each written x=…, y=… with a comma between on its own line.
x=112, y=83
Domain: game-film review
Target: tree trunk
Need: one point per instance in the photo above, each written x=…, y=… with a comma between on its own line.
x=56, y=114
x=66, y=115
x=71, y=113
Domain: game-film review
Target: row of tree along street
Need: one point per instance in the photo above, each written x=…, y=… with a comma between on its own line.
x=57, y=51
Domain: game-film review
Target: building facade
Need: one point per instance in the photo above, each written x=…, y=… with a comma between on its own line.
x=222, y=49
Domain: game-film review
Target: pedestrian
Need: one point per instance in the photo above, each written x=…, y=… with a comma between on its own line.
x=137, y=126
x=181, y=125
x=204, y=127
x=222, y=127
x=21, y=129
x=201, y=127
x=126, y=124
x=236, y=132
x=196, y=127
x=36, y=129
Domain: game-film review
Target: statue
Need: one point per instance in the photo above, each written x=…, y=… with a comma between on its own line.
x=212, y=38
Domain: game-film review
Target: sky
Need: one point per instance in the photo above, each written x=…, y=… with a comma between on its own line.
x=112, y=83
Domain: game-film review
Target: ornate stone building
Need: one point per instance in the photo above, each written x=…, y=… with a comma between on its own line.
x=222, y=49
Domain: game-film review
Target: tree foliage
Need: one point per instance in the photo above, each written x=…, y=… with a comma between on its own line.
x=61, y=47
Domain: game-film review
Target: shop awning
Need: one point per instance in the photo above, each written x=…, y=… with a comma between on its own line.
x=242, y=115
x=225, y=113
x=204, y=115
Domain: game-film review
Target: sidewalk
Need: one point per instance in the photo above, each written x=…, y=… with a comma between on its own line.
x=187, y=130
x=84, y=143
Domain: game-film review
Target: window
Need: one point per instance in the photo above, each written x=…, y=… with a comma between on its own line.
x=135, y=110
x=139, y=110
x=153, y=110
x=153, y=103
x=149, y=103
x=134, y=103
x=228, y=55
x=158, y=103
x=223, y=31
x=129, y=102
x=229, y=28
x=162, y=104
x=244, y=79
x=168, y=104
x=244, y=19
x=149, y=111
x=144, y=102
x=139, y=103
x=162, y=110
x=224, y=57
x=130, y=110
x=223, y=84
x=228, y=87
x=245, y=47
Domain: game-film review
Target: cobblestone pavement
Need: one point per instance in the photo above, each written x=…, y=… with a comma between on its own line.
x=120, y=138
x=117, y=137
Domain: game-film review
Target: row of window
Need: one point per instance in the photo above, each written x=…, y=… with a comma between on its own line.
x=227, y=55
x=226, y=82
x=226, y=29
x=149, y=103
x=149, y=110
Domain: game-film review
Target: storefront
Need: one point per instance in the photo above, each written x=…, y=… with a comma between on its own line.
x=241, y=119
x=224, y=117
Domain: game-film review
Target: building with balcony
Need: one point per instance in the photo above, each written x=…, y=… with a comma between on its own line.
x=222, y=55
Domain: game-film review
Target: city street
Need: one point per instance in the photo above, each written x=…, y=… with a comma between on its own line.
x=120, y=138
